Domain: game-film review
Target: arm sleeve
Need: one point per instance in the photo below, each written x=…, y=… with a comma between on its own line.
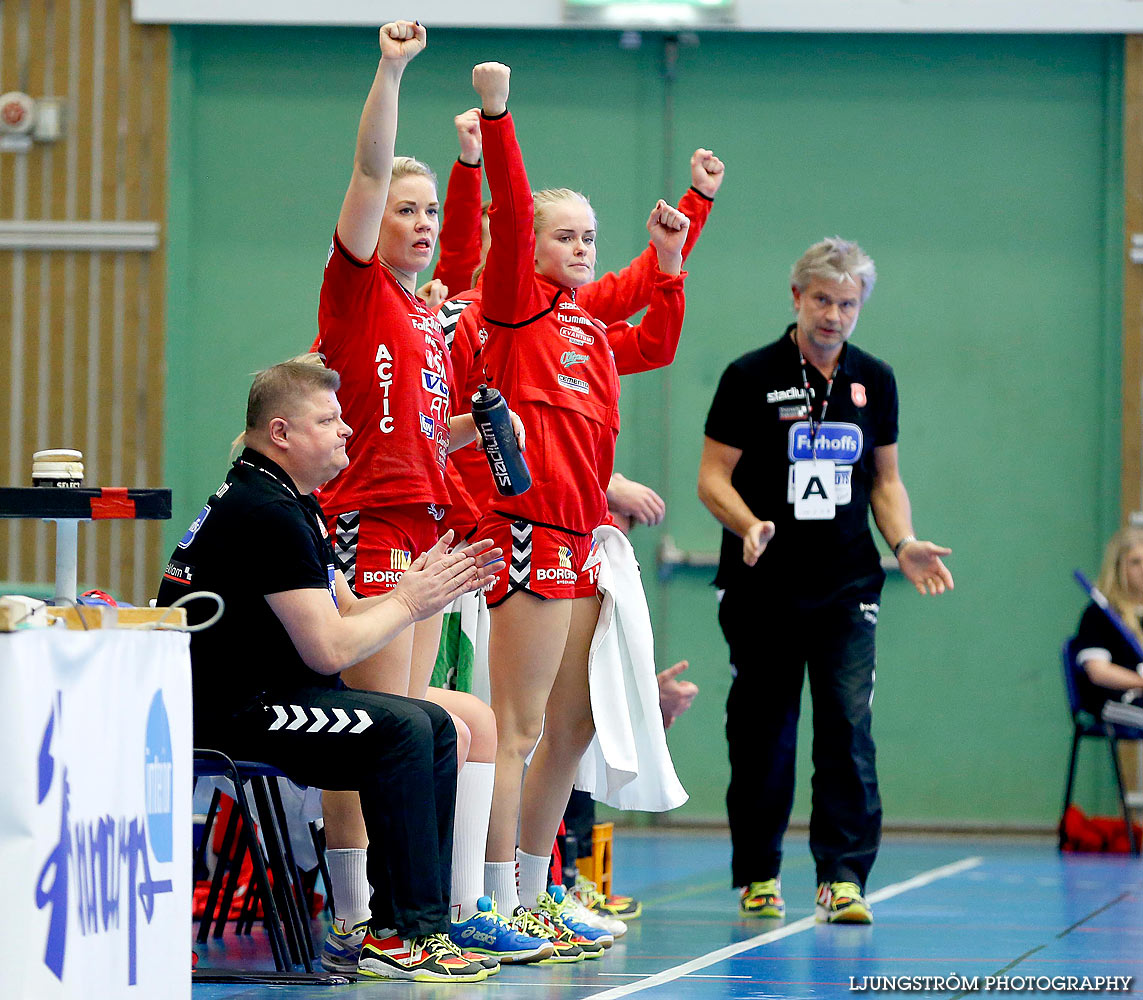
x=346, y=285
x=724, y=422
x=281, y=551
x=511, y=296
x=460, y=229
x=651, y=344
x=887, y=423
x=1097, y=633
x=619, y=295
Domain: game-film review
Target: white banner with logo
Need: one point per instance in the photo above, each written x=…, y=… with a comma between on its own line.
x=95, y=822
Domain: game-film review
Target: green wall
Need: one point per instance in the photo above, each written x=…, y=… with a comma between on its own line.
x=982, y=173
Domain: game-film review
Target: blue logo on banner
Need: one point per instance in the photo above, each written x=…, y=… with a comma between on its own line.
x=101, y=865
x=158, y=767
x=838, y=442
x=193, y=529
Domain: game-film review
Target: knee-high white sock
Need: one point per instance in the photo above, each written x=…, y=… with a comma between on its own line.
x=500, y=881
x=350, y=886
x=533, y=876
x=469, y=833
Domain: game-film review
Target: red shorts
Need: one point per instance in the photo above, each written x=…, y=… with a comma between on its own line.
x=374, y=547
x=547, y=562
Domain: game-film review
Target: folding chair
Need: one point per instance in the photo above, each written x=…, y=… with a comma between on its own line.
x=1084, y=724
x=285, y=913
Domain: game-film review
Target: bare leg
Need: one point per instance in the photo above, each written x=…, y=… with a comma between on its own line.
x=568, y=730
x=525, y=646
x=426, y=642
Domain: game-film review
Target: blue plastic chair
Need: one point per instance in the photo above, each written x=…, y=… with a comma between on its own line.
x=1084, y=724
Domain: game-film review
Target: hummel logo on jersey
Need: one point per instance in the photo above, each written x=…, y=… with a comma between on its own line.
x=400, y=558
x=575, y=384
x=569, y=358
x=573, y=317
x=785, y=395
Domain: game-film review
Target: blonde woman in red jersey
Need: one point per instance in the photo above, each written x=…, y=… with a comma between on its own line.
x=396, y=382
x=559, y=368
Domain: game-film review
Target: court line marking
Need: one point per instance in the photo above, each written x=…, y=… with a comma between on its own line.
x=713, y=957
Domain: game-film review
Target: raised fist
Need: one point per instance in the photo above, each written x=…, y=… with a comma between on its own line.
x=490, y=80
x=668, y=228
x=468, y=134
x=433, y=293
x=707, y=171
x=401, y=41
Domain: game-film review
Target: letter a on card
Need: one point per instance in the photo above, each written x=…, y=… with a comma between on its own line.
x=815, y=497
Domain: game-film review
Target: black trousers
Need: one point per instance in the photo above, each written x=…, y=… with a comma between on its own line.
x=398, y=753
x=771, y=648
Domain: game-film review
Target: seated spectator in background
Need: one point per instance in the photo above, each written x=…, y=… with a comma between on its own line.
x=290, y=625
x=1110, y=683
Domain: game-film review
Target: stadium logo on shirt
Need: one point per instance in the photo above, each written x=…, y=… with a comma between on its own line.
x=581, y=338
x=785, y=395
x=434, y=382
x=840, y=442
x=399, y=559
x=197, y=523
x=569, y=358
x=575, y=384
x=427, y=427
x=178, y=572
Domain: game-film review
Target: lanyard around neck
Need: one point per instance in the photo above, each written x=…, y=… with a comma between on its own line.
x=814, y=428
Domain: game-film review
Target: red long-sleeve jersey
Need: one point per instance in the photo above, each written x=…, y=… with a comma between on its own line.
x=557, y=366
x=396, y=375
x=459, y=240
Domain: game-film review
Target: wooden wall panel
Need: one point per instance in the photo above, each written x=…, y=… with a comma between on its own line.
x=83, y=329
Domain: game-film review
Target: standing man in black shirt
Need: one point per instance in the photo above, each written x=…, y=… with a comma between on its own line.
x=801, y=442
x=266, y=684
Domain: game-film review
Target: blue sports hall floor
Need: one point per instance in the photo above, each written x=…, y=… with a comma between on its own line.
x=958, y=908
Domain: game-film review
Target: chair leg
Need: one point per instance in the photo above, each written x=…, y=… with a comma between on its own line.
x=1113, y=746
x=1070, y=786
x=283, y=891
x=220, y=869
x=299, y=892
x=208, y=825
x=318, y=837
x=271, y=917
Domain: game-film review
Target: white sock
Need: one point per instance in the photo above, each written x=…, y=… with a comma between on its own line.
x=534, y=872
x=350, y=887
x=500, y=881
x=469, y=833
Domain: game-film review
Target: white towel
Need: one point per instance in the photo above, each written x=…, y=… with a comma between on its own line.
x=627, y=765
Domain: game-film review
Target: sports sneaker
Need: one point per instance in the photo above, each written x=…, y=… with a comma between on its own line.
x=763, y=899
x=621, y=907
x=585, y=928
x=341, y=948
x=842, y=903
x=581, y=914
x=547, y=911
x=564, y=947
x=486, y=933
x=432, y=958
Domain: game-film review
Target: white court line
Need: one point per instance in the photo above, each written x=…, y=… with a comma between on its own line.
x=709, y=959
